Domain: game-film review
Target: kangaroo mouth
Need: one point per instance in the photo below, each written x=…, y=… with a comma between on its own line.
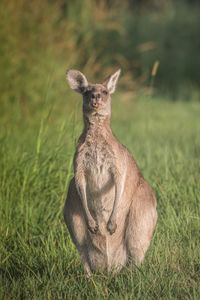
x=91, y=108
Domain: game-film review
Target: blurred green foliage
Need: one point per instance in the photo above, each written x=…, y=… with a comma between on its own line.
x=156, y=43
x=39, y=40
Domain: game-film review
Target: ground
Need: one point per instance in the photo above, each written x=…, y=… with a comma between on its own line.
x=38, y=259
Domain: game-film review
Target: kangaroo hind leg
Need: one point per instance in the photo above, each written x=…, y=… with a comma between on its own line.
x=141, y=223
x=75, y=221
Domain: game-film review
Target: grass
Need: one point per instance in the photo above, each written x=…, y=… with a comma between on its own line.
x=38, y=259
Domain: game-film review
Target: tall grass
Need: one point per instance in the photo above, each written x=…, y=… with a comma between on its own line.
x=40, y=122
x=38, y=259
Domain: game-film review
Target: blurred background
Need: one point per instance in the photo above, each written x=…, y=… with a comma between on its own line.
x=155, y=113
x=155, y=42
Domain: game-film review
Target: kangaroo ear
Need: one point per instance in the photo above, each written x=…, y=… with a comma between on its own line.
x=77, y=80
x=111, y=81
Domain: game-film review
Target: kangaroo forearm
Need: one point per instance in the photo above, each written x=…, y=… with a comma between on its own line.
x=82, y=192
x=91, y=223
x=118, y=192
x=119, y=179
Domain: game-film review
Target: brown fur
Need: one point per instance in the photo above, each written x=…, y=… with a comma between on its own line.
x=110, y=210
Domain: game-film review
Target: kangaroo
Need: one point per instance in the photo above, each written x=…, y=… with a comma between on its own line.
x=110, y=210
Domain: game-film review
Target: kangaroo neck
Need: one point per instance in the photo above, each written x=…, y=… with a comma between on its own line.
x=96, y=124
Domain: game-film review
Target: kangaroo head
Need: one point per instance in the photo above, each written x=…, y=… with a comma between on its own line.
x=96, y=97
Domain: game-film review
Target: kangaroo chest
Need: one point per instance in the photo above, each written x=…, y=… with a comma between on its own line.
x=96, y=161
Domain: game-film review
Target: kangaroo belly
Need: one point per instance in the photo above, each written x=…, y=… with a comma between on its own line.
x=106, y=255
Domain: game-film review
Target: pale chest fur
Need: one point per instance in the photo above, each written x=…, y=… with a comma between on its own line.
x=96, y=158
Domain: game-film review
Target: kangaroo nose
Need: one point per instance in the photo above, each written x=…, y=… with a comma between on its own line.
x=95, y=104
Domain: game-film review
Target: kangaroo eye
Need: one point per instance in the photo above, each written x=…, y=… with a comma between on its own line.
x=105, y=92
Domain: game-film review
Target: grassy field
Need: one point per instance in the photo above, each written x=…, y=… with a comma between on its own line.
x=38, y=259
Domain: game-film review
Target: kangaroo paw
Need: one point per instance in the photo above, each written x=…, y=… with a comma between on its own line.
x=93, y=226
x=111, y=226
